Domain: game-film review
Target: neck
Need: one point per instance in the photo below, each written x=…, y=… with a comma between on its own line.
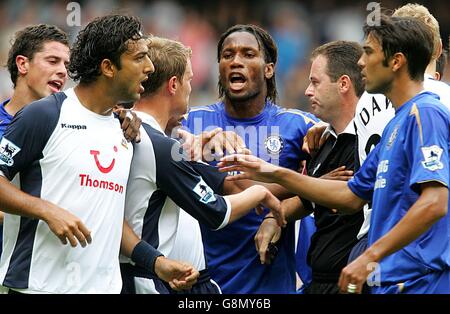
x=96, y=97
x=431, y=68
x=157, y=106
x=246, y=109
x=402, y=90
x=345, y=116
x=21, y=97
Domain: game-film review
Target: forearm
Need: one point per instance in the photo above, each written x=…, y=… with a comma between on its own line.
x=426, y=211
x=14, y=201
x=233, y=187
x=129, y=240
x=243, y=202
x=328, y=193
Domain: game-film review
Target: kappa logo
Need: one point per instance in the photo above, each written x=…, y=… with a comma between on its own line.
x=205, y=192
x=432, y=158
x=7, y=151
x=274, y=144
x=102, y=169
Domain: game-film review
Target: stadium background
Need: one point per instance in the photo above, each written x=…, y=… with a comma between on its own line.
x=297, y=27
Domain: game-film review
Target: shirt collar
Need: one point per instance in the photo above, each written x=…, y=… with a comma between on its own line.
x=150, y=120
x=349, y=129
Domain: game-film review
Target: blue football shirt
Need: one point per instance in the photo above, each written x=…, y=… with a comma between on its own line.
x=275, y=135
x=414, y=149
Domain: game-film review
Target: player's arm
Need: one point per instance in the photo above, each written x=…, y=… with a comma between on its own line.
x=21, y=145
x=427, y=210
x=65, y=225
x=329, y=193
x=179, y=275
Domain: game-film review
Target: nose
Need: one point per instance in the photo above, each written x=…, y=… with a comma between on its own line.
x=149, y=67
x=309, y=91
x=62, y=70
x=361, y=62
x=236, y=61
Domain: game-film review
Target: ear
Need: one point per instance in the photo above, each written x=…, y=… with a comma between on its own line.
x=269, y=70
x=107, y=68
x=22, y=64
x=172, y=85
x=344, y=83
x=398, y=60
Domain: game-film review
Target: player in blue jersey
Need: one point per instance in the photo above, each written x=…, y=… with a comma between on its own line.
x=161, y=182
x=406, y=176
x=247, y=56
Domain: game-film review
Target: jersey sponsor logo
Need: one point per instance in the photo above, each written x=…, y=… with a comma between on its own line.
x=432, y=158
x=103, y=169
x=274, y=144
x=7, y=151
x=205, y=192
x=86, y=180
x=73, y=126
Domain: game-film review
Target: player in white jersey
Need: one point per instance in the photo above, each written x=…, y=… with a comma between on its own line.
x=161, y=181
x=72, y=154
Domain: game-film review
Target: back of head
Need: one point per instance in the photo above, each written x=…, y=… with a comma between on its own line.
x=105, y=37
x=266, y=45
x=30, y=40
x=420, y=12
x=169, y=58
x=405, y=35
x=342, y=59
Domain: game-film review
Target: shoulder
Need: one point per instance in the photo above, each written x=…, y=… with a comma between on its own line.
x=45, y=107
x=296, y=115
x=205, y=110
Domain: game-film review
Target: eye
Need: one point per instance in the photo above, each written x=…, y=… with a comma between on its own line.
x=249, y=54
x=227, y=55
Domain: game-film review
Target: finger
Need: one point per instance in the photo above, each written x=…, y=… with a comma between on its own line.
x=63, y=239
x=218, y=146
x=193, y=277
x=241, y=176
x=321, y=141
x=230, y=146
x=80, y=237
x=263, y=250
x=305, y=146
x=73, y=241
x=85, y=231
x=138, y=137
x=339, y=169
x=174, y=286
x=245, y=151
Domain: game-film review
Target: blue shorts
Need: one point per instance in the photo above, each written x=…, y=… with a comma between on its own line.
x=432, y=283
x=358, y=249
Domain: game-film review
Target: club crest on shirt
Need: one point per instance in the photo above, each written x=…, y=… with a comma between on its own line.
x=274, y=144
x=432, y=157
x=205, y=192
x=7, y=151
x=393, y=136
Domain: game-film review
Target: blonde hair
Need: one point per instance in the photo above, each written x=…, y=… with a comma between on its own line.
x=170, y=59
x=420, y=12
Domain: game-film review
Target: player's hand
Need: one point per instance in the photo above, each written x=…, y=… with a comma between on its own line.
x=66, y=226
x=274, y=205
x=314, y=139
x=130, y=124
x=339, y=174
x=193, y=145
x=179, y=275
x=355, y=274
x=249, y=166
x=228, y=141
x=268, y=234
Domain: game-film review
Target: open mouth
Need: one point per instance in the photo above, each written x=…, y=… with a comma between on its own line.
x=237, y=81
x=55, y=85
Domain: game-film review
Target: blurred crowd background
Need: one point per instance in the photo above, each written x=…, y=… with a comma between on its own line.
x=297, y=27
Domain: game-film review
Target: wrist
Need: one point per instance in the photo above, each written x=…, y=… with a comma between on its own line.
x=145, y=256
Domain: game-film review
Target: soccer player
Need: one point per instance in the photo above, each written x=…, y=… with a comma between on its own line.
x=247, y=56
x=406, y=176
x=37, y=64
x=374, y=111
x=161, y=182
x=74, y=162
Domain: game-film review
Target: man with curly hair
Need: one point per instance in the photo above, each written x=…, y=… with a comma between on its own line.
x=74, y=163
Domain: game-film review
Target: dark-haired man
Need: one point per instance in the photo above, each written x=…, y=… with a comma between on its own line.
x=247, y=56
x=71, y=153
x=406, y=176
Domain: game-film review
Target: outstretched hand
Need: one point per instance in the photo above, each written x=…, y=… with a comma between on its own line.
x=249, y=166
